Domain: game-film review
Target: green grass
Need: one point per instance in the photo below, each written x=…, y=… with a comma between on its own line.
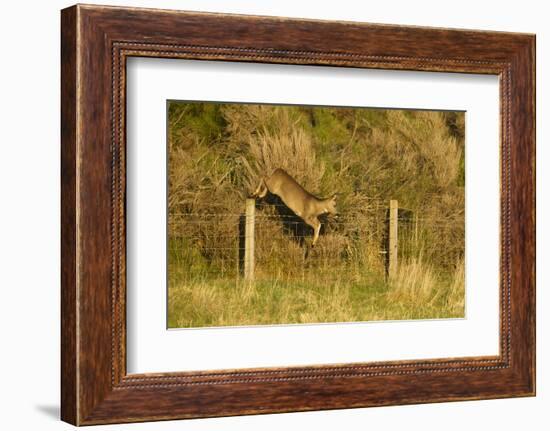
x=416, y=292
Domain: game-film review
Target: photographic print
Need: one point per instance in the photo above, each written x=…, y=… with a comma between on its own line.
x=313, y=214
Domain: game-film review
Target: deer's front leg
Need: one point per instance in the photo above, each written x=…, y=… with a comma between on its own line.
x=317, y=229
x=316, y=225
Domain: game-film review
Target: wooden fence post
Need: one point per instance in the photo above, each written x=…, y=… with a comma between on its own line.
x=249, y=239
x=392, y=242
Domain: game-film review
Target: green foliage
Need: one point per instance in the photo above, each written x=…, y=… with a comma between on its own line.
x=191, y=122
x=329, y=130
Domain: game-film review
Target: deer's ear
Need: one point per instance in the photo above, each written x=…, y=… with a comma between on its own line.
x=334, y=196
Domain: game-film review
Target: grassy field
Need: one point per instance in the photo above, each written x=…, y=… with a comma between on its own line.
x=217, y=154
x=416, y=293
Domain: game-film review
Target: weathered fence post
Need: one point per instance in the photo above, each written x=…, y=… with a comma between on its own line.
x=249, y=239
x=392, y=241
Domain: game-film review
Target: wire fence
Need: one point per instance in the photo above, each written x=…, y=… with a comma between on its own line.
x=206, y=245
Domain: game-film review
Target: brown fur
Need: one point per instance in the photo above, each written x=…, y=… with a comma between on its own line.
x=305, y=205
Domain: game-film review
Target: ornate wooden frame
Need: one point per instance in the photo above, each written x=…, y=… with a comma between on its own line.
x=95, y=43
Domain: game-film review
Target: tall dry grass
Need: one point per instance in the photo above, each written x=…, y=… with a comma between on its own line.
x=286, y=146
x=418, y=285
x=424, y=140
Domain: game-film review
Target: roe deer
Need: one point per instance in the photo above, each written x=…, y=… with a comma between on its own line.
x=300, y=201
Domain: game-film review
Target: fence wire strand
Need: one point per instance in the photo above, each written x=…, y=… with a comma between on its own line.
x=212, y=244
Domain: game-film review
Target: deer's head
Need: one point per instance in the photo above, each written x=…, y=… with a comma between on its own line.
x=331, y=205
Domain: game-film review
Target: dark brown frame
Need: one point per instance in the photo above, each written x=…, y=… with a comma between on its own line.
x=95, y=43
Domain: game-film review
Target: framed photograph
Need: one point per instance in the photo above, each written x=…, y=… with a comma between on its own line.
x=264, y=215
